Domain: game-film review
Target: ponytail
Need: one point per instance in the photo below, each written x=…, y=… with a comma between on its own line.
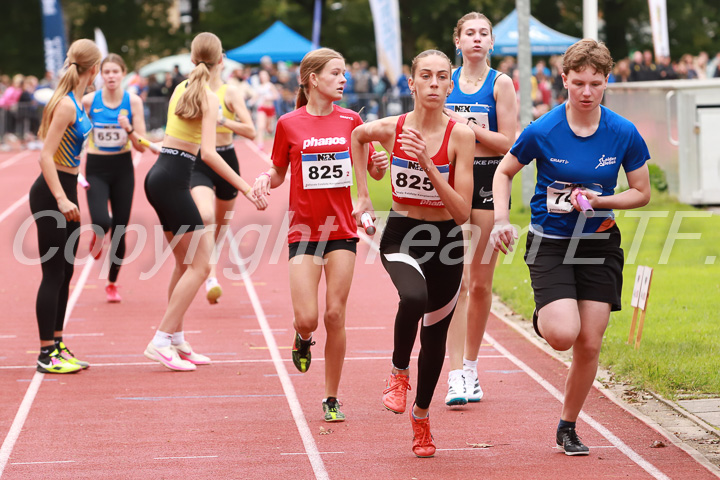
x=205, y=52
x=301, y=99
x=190, y=105
x=82, y=55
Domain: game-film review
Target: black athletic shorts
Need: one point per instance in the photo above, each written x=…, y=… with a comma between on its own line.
x=320, y=249
x=203, y=175
x=483, y=172
x=593, y=270
x=167, y=187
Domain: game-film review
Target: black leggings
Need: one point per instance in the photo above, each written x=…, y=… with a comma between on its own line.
x=57, y=266
x=425, y=262
x=111, y=178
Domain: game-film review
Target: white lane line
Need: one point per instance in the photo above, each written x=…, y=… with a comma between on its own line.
x=305, y=453
x=15, y=158
x=19, y=420
x=42, y=463
x=14, y=207
x=2, y=337
x=182, y=458
x=308, y=441
x=21, y=416
x=263, y=156
x=365, y=328
x=609, y=436
x=240, y=360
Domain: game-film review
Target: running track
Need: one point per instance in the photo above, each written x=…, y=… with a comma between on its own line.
x=251, y=414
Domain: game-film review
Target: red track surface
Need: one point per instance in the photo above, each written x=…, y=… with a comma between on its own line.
x=251, y=414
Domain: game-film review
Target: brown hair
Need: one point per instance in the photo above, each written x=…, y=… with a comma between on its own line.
x=470, y=16
x=313, y=62
x=82, y=55
x=116, y=59
x=588, y=53
x=205, y=52
x=424, y=54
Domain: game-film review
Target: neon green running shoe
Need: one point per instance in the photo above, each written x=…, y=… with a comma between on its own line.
x=301, y=355
x=331, y=407
x=56, y=363
x=70, y=357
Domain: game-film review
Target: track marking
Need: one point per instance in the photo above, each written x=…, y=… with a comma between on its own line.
x=15, y=158
x=609, y=436
x=196, y=397
x=14, y=207
x=42, y=463
x=301, y=423
x=183, y=458
x=319, y=453
x=19, y=420
x=2, y=337
x=21, y=416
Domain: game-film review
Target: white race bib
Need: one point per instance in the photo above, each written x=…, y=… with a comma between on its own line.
x=326, y=170
x=409, y=180
x=475, y=112
x=558, y=196
x=109, y=136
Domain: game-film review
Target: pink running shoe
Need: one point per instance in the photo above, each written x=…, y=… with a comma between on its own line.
x=395, y=394
x=169, y=357
x=112, y=293
x=186, y=353
x=423, y=445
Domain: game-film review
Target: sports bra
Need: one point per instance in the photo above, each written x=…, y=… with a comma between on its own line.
x=224, y=110
x=68, y=152
x=188, y=130
x=108, y=135
x=410, y=183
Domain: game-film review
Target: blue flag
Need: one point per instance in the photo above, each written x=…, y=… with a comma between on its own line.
x=53, y=35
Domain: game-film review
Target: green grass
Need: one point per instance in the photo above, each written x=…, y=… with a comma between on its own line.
x=680, y=350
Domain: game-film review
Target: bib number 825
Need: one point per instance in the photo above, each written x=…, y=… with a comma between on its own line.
x=324, y=172
x=413, y=181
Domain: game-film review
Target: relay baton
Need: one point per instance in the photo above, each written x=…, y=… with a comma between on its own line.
x=367, y=223
x=152, y=146
x=83, y=181
x=587, y=209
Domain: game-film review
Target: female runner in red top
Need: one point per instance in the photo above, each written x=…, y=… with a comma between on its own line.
x=314, y=141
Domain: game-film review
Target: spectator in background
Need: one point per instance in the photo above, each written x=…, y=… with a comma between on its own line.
x=651, y=68
x=362, y=86
x=665, y=70
x=621, y=72
x=48, y=81
x=29, y=113
x=9, y=101
x=264, y=101
x=700, y=63
x=177, y=78
x=637, y=67
x=558, y=86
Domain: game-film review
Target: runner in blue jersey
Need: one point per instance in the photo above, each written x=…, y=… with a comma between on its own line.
x=575, y=262
x=484, y=99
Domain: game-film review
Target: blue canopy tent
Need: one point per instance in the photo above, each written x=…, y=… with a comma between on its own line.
x=279, y=42
x=543, y=39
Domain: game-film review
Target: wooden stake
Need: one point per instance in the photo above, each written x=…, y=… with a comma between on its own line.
x=632, y=327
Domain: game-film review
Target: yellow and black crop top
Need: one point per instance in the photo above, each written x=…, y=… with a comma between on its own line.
x=188, y=130
x=224, y=111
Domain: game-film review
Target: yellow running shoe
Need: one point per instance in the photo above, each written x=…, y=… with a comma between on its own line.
x=55, y=363
x=70, y=357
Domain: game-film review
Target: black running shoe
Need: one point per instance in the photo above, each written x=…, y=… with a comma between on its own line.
x=301, y=355
x=535, y=323
x=568, y=440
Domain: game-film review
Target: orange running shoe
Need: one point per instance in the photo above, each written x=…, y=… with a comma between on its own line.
x=423, y=445
x=395, y=394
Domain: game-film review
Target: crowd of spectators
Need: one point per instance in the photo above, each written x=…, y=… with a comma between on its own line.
x=367, y=92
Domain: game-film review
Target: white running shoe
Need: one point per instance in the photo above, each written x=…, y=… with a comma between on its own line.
x=186, y=353
x=169, y=357
x=472, y=386
x=213, y=289
x=456, y=389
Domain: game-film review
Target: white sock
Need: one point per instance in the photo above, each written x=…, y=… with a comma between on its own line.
x=162, y=339
x=305, y=339
x=469, y=365
x=178, y=338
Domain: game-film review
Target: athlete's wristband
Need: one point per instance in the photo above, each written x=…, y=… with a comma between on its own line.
x=264, y=173
x=132, y=129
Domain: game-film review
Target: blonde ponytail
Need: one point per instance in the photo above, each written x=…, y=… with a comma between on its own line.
x=205, y=52
x=82, y=55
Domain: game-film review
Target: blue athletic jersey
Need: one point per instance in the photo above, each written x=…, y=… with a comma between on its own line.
x=480, y=105
x=71, y=144
x=565, y=160
x=108, y=135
